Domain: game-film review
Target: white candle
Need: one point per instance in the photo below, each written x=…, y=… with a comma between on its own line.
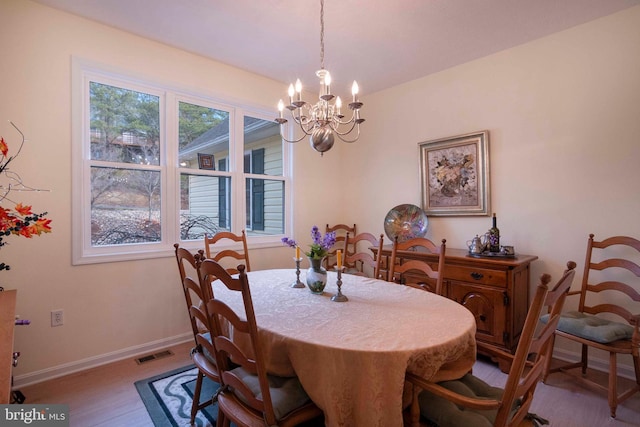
x=327, y=83
x=291, y=92
x=299, y=89
x=354, y=91
x=280, y=107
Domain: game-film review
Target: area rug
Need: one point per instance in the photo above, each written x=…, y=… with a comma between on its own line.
x=168, y=398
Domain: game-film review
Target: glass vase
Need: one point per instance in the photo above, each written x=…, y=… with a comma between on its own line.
x=316, y=275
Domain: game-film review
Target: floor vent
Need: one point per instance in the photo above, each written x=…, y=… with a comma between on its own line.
x=150, y=357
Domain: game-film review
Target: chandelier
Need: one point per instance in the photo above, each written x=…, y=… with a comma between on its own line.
x=323, y=120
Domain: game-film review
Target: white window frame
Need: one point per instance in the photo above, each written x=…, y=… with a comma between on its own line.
x=83, y=72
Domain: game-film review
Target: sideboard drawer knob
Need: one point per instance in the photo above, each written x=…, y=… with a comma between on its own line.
x=477, y=276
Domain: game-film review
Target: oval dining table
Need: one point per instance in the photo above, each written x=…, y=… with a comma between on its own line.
x=351, y=357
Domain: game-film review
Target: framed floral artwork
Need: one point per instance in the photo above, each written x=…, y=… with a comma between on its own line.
x=454, y=175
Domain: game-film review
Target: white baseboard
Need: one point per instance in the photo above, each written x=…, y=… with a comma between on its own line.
x=103, y=359
x=625, y=371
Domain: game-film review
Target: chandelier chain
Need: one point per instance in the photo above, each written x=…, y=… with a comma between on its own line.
x=322, y=34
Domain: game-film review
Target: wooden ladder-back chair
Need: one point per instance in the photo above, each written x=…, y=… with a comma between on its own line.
x=239, y=257
x=362, y=261
x=412, y=272
x=341, y=231
x=202, y=354
x=250, y=397
x=470, y=401
x=605, y=299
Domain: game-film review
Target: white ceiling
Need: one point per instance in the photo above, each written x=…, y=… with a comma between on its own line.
x=380, y=43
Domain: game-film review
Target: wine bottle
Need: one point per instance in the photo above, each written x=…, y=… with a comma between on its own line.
x=494, y=236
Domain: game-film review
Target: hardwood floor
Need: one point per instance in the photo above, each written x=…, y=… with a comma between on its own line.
x=105, y=396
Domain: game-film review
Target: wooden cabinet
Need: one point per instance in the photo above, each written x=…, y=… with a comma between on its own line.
x=7, y=323
x=495, y=290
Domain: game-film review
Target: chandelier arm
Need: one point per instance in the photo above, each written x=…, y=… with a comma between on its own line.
x=350, y=140
x=344, y=122
x=336, y=130
x=293, y=141
x=305, y=123
x=307, y=127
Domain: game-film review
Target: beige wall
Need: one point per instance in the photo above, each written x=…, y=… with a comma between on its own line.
x=111, y=310
x=563, y=119
x=563, y=114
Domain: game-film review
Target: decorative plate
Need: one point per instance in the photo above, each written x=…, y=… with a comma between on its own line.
x=406, y=222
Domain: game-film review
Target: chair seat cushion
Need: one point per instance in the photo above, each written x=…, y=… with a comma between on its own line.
x=592, y=327
x=445, y=413
x=287, y=394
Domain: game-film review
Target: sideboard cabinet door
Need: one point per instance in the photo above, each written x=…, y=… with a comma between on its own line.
x=487, y=305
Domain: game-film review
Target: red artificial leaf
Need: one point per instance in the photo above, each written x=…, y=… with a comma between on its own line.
x=42, y=226
x=4, y=148
x=23, y=210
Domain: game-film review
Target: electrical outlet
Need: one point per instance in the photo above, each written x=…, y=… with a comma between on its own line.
x=57, y=318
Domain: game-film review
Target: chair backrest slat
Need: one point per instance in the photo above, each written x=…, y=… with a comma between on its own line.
x=238, y=256
x=605, y=276
x=341, y=231
x=398, y=270
x=361, y=257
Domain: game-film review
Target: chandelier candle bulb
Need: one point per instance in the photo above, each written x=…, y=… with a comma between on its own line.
x=354, y=91
x=299, y=89
x=281, y=108
x=291, y=92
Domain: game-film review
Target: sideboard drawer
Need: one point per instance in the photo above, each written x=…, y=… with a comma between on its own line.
x=476, y=275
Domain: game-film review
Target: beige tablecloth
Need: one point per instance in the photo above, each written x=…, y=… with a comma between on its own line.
x=351, y=357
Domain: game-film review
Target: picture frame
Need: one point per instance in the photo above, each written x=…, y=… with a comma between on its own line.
x=206, y=161
x=454, y=175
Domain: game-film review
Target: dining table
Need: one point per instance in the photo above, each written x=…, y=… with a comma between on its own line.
x=351, y=357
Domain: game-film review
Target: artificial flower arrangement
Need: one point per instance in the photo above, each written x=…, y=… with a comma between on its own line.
x=320, y=246
x=19, y=220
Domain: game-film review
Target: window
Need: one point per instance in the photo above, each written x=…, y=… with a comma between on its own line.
x=154, y=166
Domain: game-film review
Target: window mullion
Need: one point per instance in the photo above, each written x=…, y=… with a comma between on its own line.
x=171, y=173
x=236, y=140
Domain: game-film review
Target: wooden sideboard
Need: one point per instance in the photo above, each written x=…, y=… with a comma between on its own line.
x=495, y=290
x=7, y=325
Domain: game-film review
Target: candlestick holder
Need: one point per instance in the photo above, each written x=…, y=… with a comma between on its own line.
x=339, y=297
x=297, y=283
